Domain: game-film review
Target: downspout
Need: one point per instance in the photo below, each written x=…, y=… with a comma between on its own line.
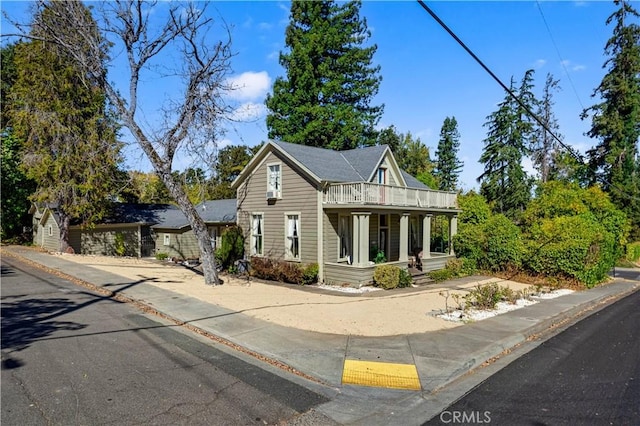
x=320, y=232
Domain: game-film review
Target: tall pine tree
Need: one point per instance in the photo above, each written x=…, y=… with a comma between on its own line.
x=504, y=182
x=447, y=164
x=615, y=121
x=325, y=98
x=545, y=149
x=70, y=146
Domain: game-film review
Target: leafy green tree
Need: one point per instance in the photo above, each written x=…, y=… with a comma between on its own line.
x=325, y=98
x=573, y=232
x=16, y=188
x=447, y=167
x=410, y=153
x=145, y=188
x=391, y=137
x=9, y=73
x=70, y=146
x=544, y=147
x=504, y=182
x=615, y=121
x=230, y=162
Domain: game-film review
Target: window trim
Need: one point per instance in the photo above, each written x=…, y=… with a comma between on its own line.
x=253, y=235
x=287, y=252
x=50, y=230
x=269, y=188
x=166, y=241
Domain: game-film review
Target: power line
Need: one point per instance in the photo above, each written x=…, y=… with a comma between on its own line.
x=508, y=90
x=562, y=61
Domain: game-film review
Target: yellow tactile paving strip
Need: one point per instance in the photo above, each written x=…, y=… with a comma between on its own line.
x=380, y=374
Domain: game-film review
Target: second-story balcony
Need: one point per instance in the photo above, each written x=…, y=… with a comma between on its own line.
x=366, y=193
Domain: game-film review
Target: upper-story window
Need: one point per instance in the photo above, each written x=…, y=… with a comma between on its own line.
x=382, y=176
x=274, y=178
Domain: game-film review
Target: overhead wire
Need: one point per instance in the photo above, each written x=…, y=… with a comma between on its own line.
x=575, y=154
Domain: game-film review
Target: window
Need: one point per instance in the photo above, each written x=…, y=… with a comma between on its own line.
x=167, y=239
x=382, y=176
x=274, y=178
x=292, y=242
x=50, y=230
x=344, y=235
x=257, y=226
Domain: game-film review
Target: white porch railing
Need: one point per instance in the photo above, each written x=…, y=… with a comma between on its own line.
x=375, y=194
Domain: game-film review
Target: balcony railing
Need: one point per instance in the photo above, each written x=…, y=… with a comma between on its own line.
x=366, y=193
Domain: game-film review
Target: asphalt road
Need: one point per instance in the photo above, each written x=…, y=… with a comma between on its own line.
x=70, y=356
x=587, y=375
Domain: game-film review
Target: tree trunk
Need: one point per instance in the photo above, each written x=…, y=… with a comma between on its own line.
x=65, y=220
x=198, y=227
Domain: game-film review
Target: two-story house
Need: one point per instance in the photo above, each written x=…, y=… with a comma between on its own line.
x=339, y=209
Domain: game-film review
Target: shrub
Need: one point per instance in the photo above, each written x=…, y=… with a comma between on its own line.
x=485, y=296
x=387, y=276
x=274, y=270
x=503, y=246
x=475, y=209
x=461, y=267
x=633, y=252
x=310, y=274
x=440, y=275
x=118, y=244
x=406, y=280
x=231, y=247
x=162, y=256
x=469, y=243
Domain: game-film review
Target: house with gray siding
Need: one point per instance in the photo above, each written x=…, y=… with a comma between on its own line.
x=142, y=229
x=341, y=209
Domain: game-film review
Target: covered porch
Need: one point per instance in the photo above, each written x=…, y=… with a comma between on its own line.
x=386, y=235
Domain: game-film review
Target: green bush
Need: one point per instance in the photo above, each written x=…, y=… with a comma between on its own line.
x=503, y=246
x=571, y=246
x=118, y=243
x=391, y=276
x=469, y=242
x=487, y=296
x=231, y=247
x=162, y=256
x=633, y=252
x=440, y=275
x=461, y=267
x=475, y=209
x=310, y=274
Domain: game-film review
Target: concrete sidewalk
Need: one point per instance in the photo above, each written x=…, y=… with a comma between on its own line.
x=440, y=357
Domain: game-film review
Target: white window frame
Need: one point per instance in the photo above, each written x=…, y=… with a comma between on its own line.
x=166, y=240
x=344, y=220
x=50, y=230
x=292, y=232
x=382, y=175
x=277, y=188
x=254, y=235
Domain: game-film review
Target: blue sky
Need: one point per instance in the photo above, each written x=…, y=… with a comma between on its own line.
x=426, y=75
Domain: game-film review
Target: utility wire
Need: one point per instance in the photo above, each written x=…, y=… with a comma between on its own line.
x=508, y=90
x=562, y=62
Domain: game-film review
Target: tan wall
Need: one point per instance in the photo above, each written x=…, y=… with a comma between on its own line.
x=299, y=195
x=102, y=240
x=46, y=241
x=330, y=238
x=182, y=245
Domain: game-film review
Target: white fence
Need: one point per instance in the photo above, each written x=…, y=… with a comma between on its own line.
x=376, y=194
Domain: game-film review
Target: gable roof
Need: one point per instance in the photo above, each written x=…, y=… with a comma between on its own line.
x=326, y=165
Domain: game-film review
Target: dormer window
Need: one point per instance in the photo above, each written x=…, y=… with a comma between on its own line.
x=382, y=176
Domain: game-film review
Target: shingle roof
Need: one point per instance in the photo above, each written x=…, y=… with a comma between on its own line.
x=354, y=165
x=214, y=211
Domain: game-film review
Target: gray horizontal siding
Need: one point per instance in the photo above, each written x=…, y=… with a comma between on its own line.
x=102, y=241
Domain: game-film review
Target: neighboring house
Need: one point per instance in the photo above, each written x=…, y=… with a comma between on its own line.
x=339, y=209
x=174, y=236
x=139, y=229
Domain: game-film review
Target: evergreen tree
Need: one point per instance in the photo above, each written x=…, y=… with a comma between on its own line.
x=330, y=82
x=615, y=121
x=410, y=153
x=70, y=146
x=504, y=182
x=447, y=167
x=545, y=150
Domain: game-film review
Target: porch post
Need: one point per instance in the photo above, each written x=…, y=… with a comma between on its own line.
x=404, y=237
x=361, y=238
x=453, y=230
x=426, y=236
